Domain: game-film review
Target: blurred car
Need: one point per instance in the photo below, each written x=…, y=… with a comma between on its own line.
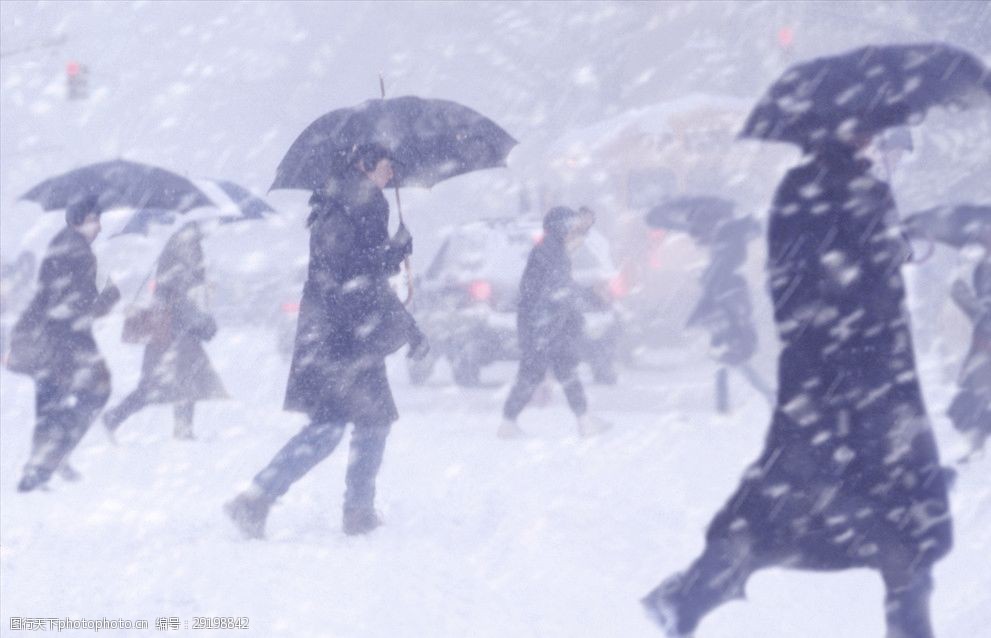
x=466, y=300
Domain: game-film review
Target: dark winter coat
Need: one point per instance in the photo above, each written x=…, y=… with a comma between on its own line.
x=725, y=309
x=349, y=317
x=850, y=475
x=53, y=339
x=175, y=367
x=549, y=315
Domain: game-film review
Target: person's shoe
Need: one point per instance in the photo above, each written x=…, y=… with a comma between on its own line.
x=662, y=611
x=68, y=473
x=249, y=512
x=30, y=481
x=360, y=520
x=509, y=430
x=589, y=425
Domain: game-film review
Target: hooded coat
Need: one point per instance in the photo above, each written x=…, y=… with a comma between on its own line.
x=349, y=316
x=850, y=474
x=549, y=315
x=175, y=367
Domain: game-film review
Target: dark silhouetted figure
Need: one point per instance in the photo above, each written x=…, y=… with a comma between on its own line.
x=53, y=342
x=175, y=368
x=550, y=324
x=349, y=321
x=850, y=474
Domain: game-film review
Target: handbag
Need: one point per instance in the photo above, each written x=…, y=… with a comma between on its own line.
x=142, y=325
x=30, y=350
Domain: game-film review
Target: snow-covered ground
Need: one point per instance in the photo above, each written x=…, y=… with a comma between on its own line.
x=550, y=536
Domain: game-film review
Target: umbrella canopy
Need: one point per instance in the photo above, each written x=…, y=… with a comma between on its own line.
x=953, y=225
x=866, y=91
x=141, y=222
x=250, y=205
x=430, y=141
x=119, y=183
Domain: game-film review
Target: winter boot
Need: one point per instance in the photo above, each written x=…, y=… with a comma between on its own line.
x=360, y=520
x=30, y=481
x=249, y=511
x=589, y=425
x=661, y=608
x=509, y=430
x=68, y=473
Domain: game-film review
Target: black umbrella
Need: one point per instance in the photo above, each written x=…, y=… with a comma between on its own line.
x=698, y=216
x=953, y=225
x=119, y=183
x=865, y=91
x=430, y=140
x=250, y=205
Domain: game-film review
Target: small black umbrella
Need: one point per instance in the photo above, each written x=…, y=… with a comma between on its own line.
x=431, y=140
x=953, y=225
x=119, y=183
x=865, y=91
x=698, y=216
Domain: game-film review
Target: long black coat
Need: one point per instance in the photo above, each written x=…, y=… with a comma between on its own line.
x=850, y=474
x=53, y=339
x=175, y=365
x=549, y=315
x=348, y=309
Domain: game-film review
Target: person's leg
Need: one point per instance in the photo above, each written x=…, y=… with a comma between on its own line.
x=719, y=575
x=313, y=444
x=533, y=369
x=906, y=602
x=182, y=413
x=49, y=429
x=367, y=449
x=302, y=453
x=566, y=373
x=133, y=402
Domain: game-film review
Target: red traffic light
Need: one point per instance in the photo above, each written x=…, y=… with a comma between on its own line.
x=73, y=68
x=786, y=37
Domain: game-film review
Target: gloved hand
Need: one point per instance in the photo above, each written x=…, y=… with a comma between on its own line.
x=419, y=346
x=109, y=296
x=402, y=242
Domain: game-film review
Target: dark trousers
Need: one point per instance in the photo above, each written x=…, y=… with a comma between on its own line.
x=63, y=415
x=721, y=573
x=182, y=411
x=313, y=444
x=533, y=369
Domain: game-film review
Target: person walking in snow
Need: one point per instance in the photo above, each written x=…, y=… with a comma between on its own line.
x=53, y=343
x=350, y=320
x=550, y=324
x=850, y=475
x=175, y=368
